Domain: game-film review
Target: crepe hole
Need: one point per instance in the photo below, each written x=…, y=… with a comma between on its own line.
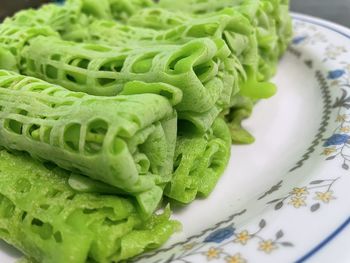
x=44, y=207
x=71, y=136
x=14, y=126
x=202, y=68
x=186, y=127
x=56, y=57
x=76, y=77
x=37, y=222
x=71, y=197
x=23, y=112
x=24, y=215
x=177, y=161
x=49, y=165
x=58, y=237
x=51, y=72
x=83, y=63
x=173, y=62
x=52, y=193
x=105, y=81
x=143, y=64
x=96, y=132
x=34, y=132
x=113, y=66
x=89, y=211
x=7, y=208
x=43, y=229
x=117, y=146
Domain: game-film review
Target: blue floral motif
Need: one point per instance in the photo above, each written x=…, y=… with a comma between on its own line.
x=336, y=139
x=220, y=235
x=335, y=74
x=298, y=40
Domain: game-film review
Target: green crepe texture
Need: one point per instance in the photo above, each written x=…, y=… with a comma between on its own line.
x=200, y=160
x=150, y=97
x=234, y=25
x=201, y=70
x=126, y=141
x=43, y=217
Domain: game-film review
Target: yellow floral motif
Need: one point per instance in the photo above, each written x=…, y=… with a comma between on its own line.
x=267, y=246
x=334, y=51
x=299, y=191
x=335, y=83
x=329, y=151
x=189, y=246
x=298, y=202
x=347, y=67
x=325, y=197
x=345, y=129
x=242, y=237
x=341, y=118
x=213, y=253
x=235, y=259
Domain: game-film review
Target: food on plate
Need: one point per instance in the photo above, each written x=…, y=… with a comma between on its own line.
x=108, y=108
x=125, y=141
x=49, y=222
x=200, y=160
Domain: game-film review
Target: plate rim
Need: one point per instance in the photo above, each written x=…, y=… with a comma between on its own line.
x=345, y=32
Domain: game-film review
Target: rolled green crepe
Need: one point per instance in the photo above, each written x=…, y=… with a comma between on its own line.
x=202, y=69
x=237, y=31
x=49, y=222
x=200, y=160
x=270, y=17
x=127, y=142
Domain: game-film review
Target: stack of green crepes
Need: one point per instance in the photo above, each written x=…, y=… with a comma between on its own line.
x=109, y=107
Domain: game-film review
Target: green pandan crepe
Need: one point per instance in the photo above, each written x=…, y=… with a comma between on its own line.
x=126, y=141
x=270, y=18
x=201, y=69
x=49, y=222
x=233, y=27
x=151, y=96
x=200, y=160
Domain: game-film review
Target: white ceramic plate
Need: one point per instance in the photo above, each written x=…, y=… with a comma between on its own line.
x=285, y=198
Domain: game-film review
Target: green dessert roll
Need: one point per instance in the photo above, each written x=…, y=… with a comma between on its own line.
x=200, y=160
x=271, y=19
x=202, y=69
x=50, y=223
x=126, y=142
x=229, y=25
x=238, y=32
